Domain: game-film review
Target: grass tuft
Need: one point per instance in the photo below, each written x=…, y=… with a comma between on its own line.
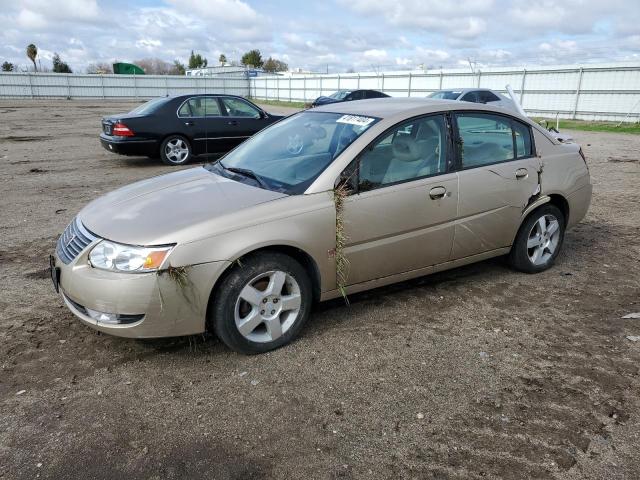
x=179, y=276
x=627, y=127
x=342, y=263
x=281, y=103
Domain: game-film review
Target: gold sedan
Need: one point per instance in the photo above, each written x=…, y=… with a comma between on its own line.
x=327, y=202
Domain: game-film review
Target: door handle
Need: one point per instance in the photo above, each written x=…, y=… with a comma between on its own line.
x=522, y=173
x=189, y=124
x=437, y=192
x=232, y=122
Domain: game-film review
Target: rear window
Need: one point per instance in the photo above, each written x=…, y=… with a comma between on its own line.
x=446, y=94
x=150, y=106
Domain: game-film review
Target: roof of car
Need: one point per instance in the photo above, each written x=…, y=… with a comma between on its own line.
x=387, y=107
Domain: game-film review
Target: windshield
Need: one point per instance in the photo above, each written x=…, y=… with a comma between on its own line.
x=289, y=155
x=446, y=94
x=150, y=106
x=340, y=94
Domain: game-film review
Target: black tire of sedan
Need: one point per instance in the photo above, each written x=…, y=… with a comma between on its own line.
x=262, y=303
x=175, y=150
x=539, y=240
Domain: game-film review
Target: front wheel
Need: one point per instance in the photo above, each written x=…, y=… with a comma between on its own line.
x=539, y=240
x=262, y=304
x=175, y=150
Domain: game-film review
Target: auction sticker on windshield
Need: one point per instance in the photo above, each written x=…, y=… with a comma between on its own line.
x=355, y=120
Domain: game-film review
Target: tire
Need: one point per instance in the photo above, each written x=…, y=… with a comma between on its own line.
x=538, y=243
x=175, y=150
x=262, y=304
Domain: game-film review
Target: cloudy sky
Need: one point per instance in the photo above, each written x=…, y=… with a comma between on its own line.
x=337, y=35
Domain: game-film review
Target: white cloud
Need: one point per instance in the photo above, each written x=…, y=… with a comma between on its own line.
x=148, y=44
x=233, y=11
x=363, y=34
x=375, y=54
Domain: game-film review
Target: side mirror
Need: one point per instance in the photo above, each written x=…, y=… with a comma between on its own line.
x=263, y=114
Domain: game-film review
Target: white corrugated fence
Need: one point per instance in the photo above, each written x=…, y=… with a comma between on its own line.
x=593, y=92
x=62, y=85
x=590, y=92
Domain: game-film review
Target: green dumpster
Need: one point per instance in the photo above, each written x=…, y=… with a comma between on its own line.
x=127, y=69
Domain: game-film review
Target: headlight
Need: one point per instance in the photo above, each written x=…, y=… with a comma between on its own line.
x=127, y=258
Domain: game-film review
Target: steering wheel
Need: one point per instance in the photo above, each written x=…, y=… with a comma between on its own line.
x=295, y=144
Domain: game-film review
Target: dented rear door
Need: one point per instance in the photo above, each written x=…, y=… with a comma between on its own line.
x=495, y=185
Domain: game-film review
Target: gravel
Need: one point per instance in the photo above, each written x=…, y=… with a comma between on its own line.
x=479, y=372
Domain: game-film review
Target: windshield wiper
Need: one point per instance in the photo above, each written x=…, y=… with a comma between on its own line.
x=247, y=173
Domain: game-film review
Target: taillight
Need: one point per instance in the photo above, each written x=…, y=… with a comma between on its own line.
x=121, y=130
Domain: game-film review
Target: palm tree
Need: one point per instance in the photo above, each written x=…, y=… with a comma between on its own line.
x=222, y=59
x=32, y=53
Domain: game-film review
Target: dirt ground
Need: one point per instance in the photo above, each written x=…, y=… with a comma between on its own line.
x=480, y=372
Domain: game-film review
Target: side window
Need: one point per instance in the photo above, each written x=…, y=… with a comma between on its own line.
x=485, y=139
x=184, y=110
x=524, y=145
x=487, y=97
x=200, y=107
x=239, y=108
x=471, y=97
x=412, y=150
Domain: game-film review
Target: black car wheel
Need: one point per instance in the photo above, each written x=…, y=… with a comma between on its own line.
x=262, y=304
x=175, y=150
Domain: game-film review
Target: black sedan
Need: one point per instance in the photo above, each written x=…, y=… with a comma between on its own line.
x=347, y=96
x=176, y=128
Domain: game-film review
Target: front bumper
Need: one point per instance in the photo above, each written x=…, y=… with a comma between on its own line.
x=165, y=309
x=126, y=146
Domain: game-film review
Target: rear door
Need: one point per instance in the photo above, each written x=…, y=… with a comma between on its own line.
x=242, y=119
x=401, y=216
x=498, y=174
x=203, y=121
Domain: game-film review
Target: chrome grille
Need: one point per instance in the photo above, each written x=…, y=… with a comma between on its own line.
x=73, y=241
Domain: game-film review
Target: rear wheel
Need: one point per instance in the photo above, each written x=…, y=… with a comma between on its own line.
x=539, y=240
x=175, y=150
x=262, y=304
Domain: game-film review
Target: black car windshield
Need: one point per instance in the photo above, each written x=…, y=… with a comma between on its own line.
x=289, y=155
x=150, y=106
x=340, y=94
x=446, y=94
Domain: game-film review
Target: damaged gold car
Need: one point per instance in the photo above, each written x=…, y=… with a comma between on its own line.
x=327, y=202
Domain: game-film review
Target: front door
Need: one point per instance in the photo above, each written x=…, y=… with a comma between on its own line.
x=241, y=120
x=401, y=216
x=498, y=174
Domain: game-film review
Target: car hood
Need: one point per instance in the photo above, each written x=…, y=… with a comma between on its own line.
x=169, y=208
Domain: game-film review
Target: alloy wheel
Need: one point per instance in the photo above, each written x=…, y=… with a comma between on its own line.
x=176, y=150
x=543, y=239
x=268, y=306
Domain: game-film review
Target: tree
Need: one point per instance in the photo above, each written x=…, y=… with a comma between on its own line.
x=32, y=53
x=252, y=58
x=197, y=61
x=222, y=59
x=59, y=66
x=178, y=68
x=8, y=67
x=100, y=68
x=274, y=65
